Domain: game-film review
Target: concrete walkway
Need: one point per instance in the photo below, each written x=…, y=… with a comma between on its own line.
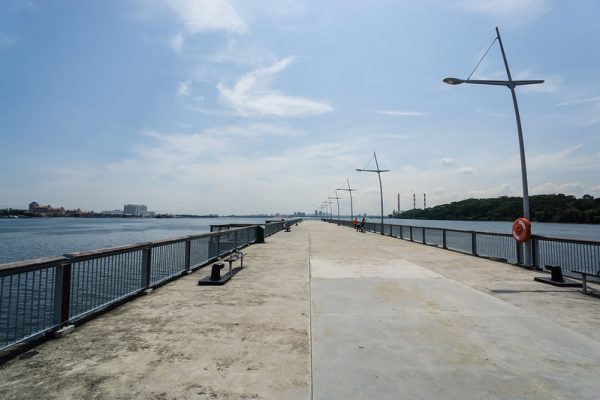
x=324, y=312
x=388, y=322
x=246, y=340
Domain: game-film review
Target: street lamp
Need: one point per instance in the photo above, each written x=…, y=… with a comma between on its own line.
x=328, y=201
x=349, y=190
x=326, y=204
x=527, y=259
x=338, y=204
x=379, y=171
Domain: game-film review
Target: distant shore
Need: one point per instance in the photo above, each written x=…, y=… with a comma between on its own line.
x=12, y=214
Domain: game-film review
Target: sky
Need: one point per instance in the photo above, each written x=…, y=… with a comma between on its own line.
x=233, y=107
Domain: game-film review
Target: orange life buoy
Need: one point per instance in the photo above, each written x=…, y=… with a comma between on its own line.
x=521, y=230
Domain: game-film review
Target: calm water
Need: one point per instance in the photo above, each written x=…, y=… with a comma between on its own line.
x=26, y=238
x=22, y=239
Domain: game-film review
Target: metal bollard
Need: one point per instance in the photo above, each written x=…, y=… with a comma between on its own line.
x=215, y=273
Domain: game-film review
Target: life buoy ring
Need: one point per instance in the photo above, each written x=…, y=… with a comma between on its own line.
x=521, y=230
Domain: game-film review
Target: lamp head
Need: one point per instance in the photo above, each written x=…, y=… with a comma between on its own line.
x=453, y=81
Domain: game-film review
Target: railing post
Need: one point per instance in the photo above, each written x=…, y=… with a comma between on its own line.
x=235, y=239
x=474, y=243
x=424, y=238
x=260, y=234
x=411, y=235
x=519, y=251
x=62, y=294
x=188, y=256
x=146, y=267
x=218, y=245
x=534, y=249
x=444, y=239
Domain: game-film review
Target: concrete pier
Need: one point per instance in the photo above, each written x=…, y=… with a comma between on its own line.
x=325, y=312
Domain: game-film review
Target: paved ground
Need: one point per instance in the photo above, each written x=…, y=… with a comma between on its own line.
x=397, y=320
x=248, y=339
x=378, y=318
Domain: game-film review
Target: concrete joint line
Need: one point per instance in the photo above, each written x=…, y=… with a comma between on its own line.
x=310, y=335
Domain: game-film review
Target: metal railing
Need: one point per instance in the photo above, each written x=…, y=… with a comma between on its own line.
x=270, y=227
x=570, y=254
x=43, y=295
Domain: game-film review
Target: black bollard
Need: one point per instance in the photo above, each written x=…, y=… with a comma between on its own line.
x=215, y=273
x=556, y=279
x=556, y=271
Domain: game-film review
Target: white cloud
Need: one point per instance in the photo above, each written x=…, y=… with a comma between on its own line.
x=589, y=122
x=398, y=113
x=448, y=161
x=177, y=42
x=466, y=170
x=214, y=166
x=595, y=190
x=584, y=100
x=199, y=16
x=551, y=83
x=208, y=15
x=255, y=131
x=397, y=136
x=565, y=188
x=243, y=53
x=569, y=158
x=438, y=191
x=251, y=96
x=184, y=88
x=407, y=169
x=502, y=190
x=511, y=11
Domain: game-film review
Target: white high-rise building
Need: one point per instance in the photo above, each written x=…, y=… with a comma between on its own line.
x=139, y=210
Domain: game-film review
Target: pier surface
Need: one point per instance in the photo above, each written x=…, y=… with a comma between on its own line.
x=325, y=312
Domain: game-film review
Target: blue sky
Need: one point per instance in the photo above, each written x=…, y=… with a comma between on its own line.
x=268, y=106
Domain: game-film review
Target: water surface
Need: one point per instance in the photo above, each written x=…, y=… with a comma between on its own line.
x=26, y=238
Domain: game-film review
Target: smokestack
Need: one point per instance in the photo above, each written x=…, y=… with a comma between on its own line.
x=424, y=201
x=398, y=203
x=414, y=202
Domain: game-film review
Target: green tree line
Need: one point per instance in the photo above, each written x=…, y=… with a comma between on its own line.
x=544, y=208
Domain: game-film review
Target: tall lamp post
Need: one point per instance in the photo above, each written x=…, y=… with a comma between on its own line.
x=511, y=84
x=326, y=209
x=330, y=208
x=349, y=190
x=379, y=171
x=338, y=204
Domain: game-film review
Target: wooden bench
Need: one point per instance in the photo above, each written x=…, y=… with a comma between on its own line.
x=584, y=275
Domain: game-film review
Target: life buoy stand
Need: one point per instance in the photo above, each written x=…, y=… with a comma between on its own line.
x=521, y=230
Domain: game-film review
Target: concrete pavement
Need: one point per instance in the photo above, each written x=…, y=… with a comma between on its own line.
x=328, y=313
x=246, y=340
x=389, y=323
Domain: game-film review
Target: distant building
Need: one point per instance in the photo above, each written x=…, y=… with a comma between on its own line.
x=112, y=213
x=36, y=208
x=49, y=211
x=299, y=214
x=138, y=210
